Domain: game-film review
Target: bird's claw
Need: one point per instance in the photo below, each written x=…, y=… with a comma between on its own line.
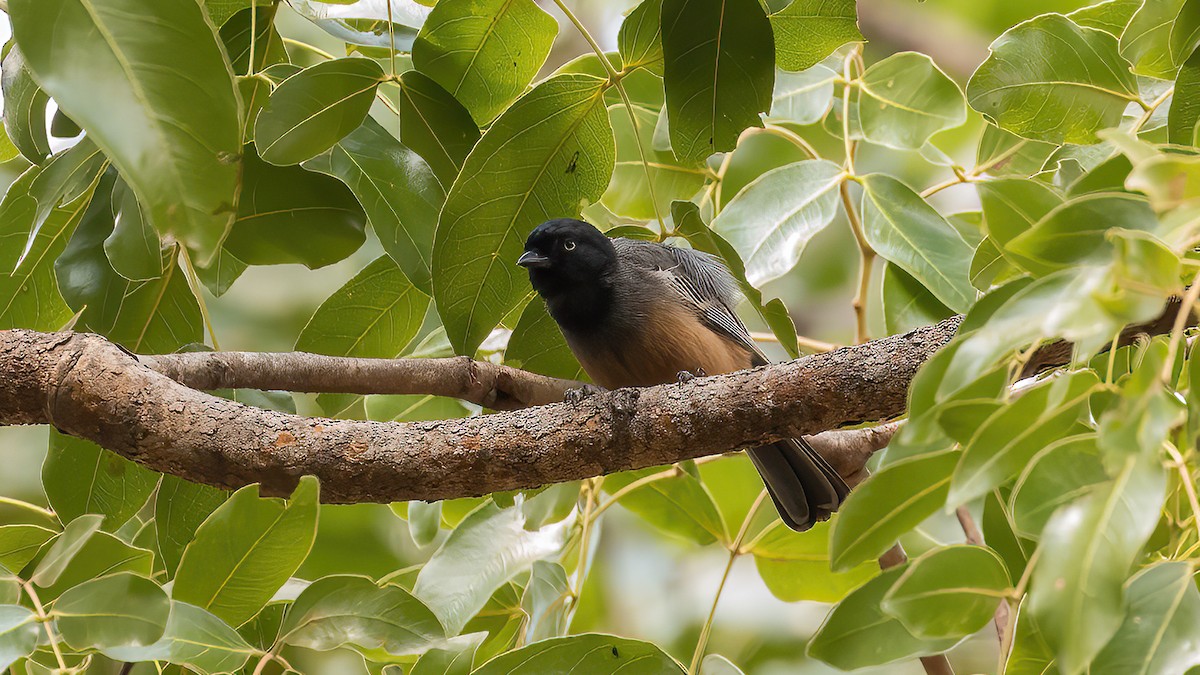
x=685, y=376
x=576, y=396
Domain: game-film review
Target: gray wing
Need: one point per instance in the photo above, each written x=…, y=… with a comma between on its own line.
x=700, y=279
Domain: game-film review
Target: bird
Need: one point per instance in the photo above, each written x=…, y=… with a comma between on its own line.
x=639, y=313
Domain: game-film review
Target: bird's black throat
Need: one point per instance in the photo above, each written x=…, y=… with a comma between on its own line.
x=576, y=306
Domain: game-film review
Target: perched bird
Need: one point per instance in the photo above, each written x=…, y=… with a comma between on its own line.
x=639, y=313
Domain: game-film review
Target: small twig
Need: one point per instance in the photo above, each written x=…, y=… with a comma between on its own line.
x=1148, y=110
x=45, y=621
x=9, y=501
x=866, y=262
x=970, y=529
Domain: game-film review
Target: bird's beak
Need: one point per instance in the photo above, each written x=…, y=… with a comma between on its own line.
x=532, y=259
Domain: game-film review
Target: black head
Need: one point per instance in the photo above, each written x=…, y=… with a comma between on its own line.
x=569, y=262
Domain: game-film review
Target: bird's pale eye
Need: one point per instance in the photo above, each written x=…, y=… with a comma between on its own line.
x=569, y=245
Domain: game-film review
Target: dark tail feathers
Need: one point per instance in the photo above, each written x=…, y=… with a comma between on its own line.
x=804, y=487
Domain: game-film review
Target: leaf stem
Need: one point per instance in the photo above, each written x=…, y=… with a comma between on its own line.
x=810, y=344
x=45, y=621
x=639, y=483
x=1148, y=110
x=734, y=552
x=312, y=48
x=391, y=38
x=866, y=262
x=9, y=501
x=250, y=69
x=197, y=292
x=1181, y=319
x=1189, y=487
x=793, y=137
x=848, y=84
x=590, y=489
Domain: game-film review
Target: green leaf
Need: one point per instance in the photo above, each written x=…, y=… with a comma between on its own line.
x=537, y=345
x=289, y=215
x=20, y=543
x=857, y=633
x=1051, y=80
x=484, y=52
x=268, y=43
x=1011, y=436
x=545, y=156
x=220, y=11
x=1077, y=231
x=435, y=125
x=161, y=104
x=340, y=610
x=446, y=661
x=1061, y=473
x=718, y=72
x=803, y=97
x=1006, y=154
x=543, y=601
x=1011, y=206
x=1110, y=16
x=678, y=505
x=133, y=249
x=590, y=653
x=1030, y=654
x=807, y=31
x=148, y=317
x=24, y=108
x=66, y=546
x=1170, y=181
x=888, y=504
x=180, y=506
x=1001, y=535
x=424, y=522
x=113, y=611
x=315, y=108
x=1185, y=103
x=1087, y=549
x=907, y=304
x=771, y=220
x=102, y=554
x=640, y=37
x=399, y=192
x=19, y=634
x=366, y=22
x=715, y=664
x=81, y=477
x=1161, y=623
x=1160, y=36
x=949, y=592
x=246, y=550
x=906, y=231
x=628, y=193
x=485, y=551
x=795, y=566
x=905, y=98
x=193, y=638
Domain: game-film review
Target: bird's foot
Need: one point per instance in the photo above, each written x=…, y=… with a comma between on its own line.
x=685, y=376
x=576, y=396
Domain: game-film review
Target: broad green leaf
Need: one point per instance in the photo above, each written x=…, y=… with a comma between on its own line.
x=161, y=104
x=1006, y=154
x=718, y=72
x=545, y=156
x=194, y=638
x=8, y=151
x=221, y=272
x=857, y=633
x=537, y=345
x=246, y=550
x=1011, y=436
x=133, y=249
x=19, y=634
x=24, y=108
x=1030, y=654
x=907, y=304
x=795, y=566
x=340, y=610
x=102, y=554
x=1110, y=16
x=544, y=601
x=20, y=543
x=803, y=97
x=988, y=266
x=1001, y=535
x=640, y=37
x=1162, y=621
x=772, y=219
x=64, y=548
x=691, y=227
x=949, y=592
x=113, y=611
x=1160, y=36
x=1087, y=549
x=1076, y=232
x=290, y=215
x=484, y=52
x=446, y=661
x=1049, y=79
x=220, y=11
x=424, y=522
x=677, y=505
x=81, y=477
x=148, y=317
x=399, y=192
x=1011, y=206
x=888, y=504
x=485, y=551
x=644, y=88
x=435, y=125
x=375, y=315
x=1185, y=103
x=1170, y=181
x=180, y=506
x=905, y=98
x=628, y=192
x=807, y=31
x=590, y=653
x=268, y=43
x=315, y=108
x=906, y=231
x=1063, y=472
